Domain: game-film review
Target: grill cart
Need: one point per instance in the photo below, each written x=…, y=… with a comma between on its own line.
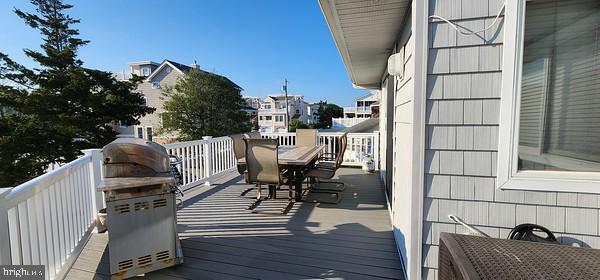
x=140, y=192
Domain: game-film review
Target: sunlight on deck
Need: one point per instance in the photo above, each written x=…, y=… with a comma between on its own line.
x=221, y=240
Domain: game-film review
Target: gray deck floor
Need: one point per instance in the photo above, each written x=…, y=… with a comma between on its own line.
x=349, y=240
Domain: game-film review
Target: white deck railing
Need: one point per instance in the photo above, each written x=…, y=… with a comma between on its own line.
x=48, y=219
x=346, y=122
x=359, y=145
x=203, y=159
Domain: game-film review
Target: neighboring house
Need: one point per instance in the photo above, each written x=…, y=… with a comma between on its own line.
x=252, y=101
x=499, y=128
x=312, y=111
x=157, y=76
x=363, y=106
x=272, y=114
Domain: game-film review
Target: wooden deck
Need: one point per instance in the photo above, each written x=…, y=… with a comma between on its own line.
x=349, y=240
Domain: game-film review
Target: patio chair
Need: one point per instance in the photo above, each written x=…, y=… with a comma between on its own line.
x=330, y=160
x=306, y=137
x=263, y=168
x=254, y=135
x=239, y=150
x=327, y=169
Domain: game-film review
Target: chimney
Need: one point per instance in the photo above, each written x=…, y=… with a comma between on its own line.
x=194, y=65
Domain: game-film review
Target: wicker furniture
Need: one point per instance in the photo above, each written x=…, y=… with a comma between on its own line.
x=474, y=257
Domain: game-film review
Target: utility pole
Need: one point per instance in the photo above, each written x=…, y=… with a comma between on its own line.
x=287, y=108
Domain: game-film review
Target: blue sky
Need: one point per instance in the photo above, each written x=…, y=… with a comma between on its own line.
x=255, y=43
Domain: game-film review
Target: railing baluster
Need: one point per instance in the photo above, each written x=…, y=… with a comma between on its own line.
x=47, y=224
x=14, y=234
x=25, y=236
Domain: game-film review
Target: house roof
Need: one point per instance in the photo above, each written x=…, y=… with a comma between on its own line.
x=182, y=68
x=364, y=32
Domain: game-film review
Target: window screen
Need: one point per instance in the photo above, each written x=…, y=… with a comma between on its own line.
x=559, y=127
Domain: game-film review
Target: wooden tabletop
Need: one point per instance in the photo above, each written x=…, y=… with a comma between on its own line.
x=294, y=155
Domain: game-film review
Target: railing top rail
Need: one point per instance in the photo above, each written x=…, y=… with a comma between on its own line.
x=195, y=142
x=38, y=184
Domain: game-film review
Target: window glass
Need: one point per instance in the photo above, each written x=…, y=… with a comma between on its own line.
x=559, y=121
x=155, y=85
x=140, y=132
x=149, y=133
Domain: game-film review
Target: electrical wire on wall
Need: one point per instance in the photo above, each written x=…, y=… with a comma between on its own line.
x=464, y=30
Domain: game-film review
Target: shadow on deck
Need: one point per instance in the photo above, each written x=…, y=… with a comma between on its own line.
x=349, y=240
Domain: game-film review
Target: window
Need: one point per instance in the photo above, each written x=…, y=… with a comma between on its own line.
x=549, y=128
x=121, y=124
x=140, y=132
x=168, y=69
x=155, y=85
x=146, y=71
x=267, y=106
x=268, y=118
x=149, y=133
x=279, y=118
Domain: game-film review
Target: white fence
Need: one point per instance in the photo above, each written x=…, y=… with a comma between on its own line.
x=346, y=122
x=359, y=145
x=47, y=220
x=202, y=159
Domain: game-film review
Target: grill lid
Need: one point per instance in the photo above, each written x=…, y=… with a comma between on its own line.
x=135, y=157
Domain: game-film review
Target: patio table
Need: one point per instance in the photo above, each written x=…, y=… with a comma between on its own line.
x=296, y=159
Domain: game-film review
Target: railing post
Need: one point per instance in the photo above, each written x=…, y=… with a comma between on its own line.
x=96, y=178
x=5, y=253
x=208, y=158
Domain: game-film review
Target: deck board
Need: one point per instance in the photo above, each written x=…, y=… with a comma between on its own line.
x=221, y=240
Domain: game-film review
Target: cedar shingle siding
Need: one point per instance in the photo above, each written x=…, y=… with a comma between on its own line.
x=463, y=100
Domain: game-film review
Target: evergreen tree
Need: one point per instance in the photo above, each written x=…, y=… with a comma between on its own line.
x=53, y=111
x=203, y=104
x=297, y=124
x=326, y=112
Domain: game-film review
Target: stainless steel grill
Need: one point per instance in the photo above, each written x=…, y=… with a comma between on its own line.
x=140, y=193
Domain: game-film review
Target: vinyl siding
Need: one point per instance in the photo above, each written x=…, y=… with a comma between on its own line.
x=166, y=79
x=462, y=117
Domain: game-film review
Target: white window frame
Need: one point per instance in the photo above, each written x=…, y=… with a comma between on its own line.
x=156, y=85
x=508, y=176
x=145, y=71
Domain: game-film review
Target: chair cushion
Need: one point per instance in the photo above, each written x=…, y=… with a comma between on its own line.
x=320, y=173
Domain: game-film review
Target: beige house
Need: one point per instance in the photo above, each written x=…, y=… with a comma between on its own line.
x=158, y=76
x=273, y=117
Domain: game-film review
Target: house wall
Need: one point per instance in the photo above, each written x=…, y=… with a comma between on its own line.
x=462, y=117
x=154, y=100
x=402, y=88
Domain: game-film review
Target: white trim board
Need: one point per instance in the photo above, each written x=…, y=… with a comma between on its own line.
x=508, y=176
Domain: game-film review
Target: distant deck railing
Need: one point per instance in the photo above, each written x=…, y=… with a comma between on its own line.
x=346, y=122
x=48, y=220
x=359, y=145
